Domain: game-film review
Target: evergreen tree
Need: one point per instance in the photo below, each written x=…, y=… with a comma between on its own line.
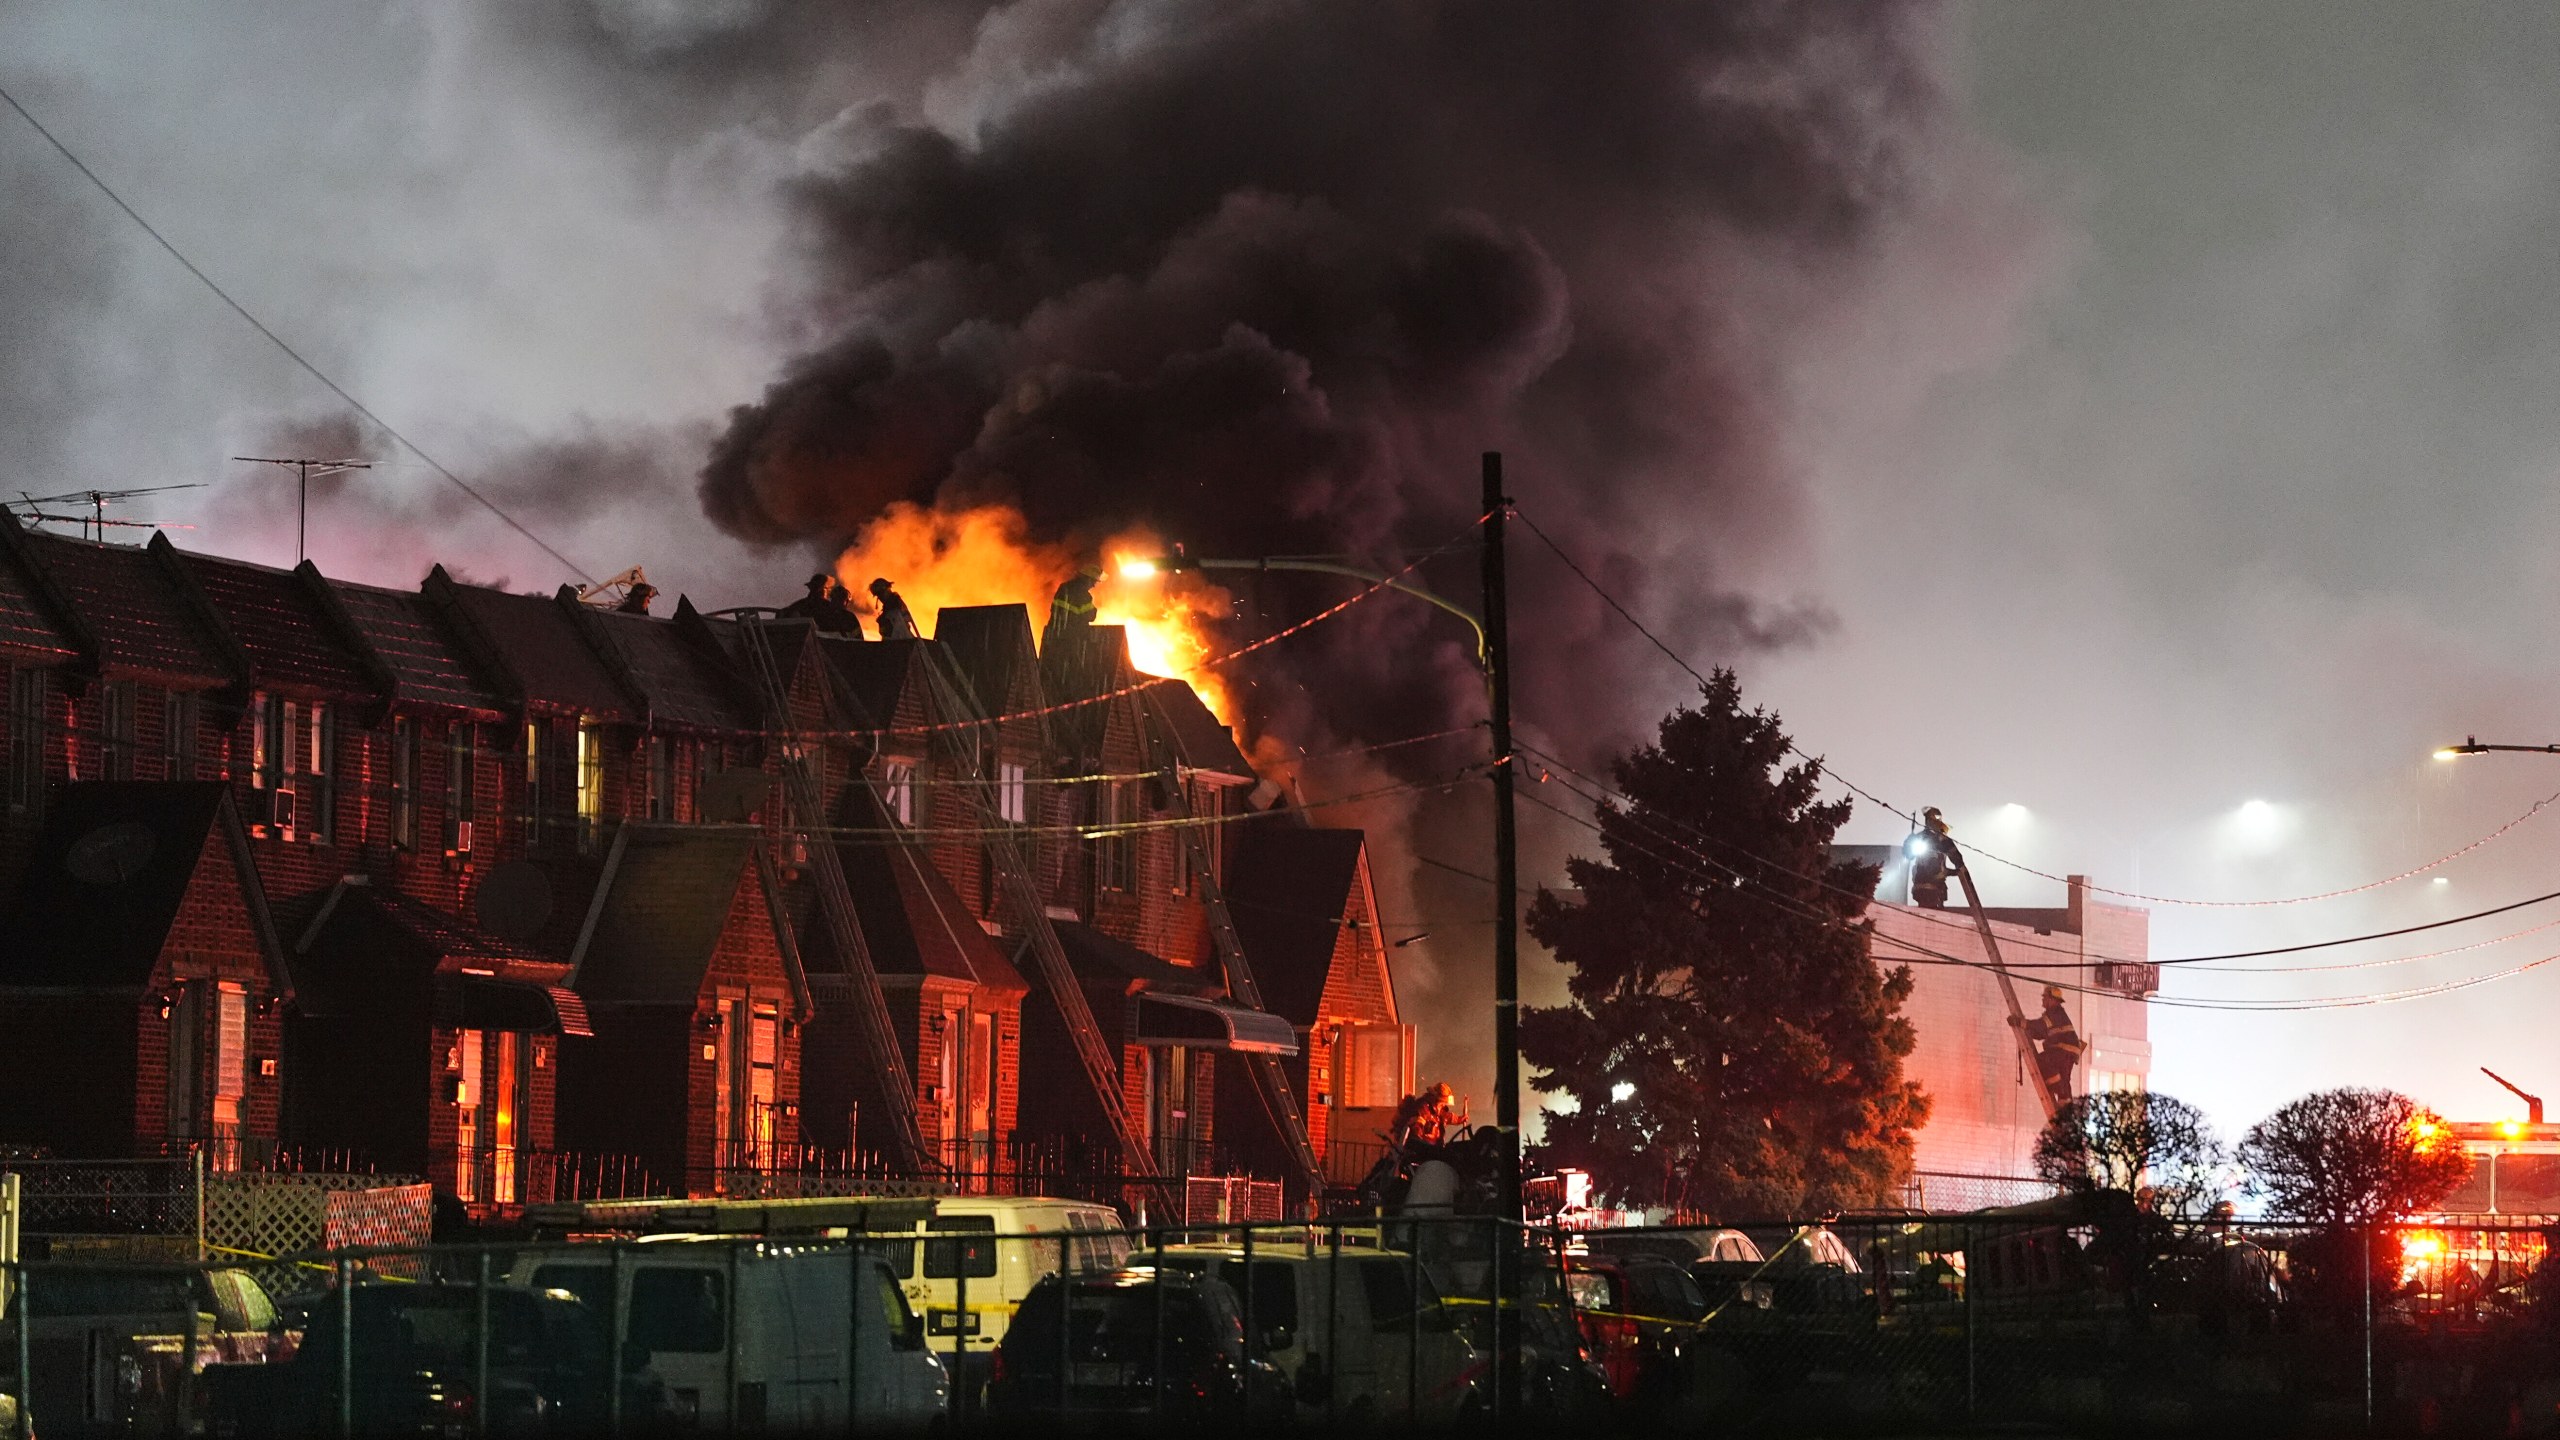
x=1729, y=1045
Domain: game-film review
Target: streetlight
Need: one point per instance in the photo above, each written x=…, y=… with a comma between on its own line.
x=2471, y=746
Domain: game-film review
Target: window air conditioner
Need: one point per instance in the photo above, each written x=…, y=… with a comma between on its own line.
x=280, y=812
x=461, y=837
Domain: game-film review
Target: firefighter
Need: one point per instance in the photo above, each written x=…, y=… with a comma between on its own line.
x=2058, y=1044
x=897, y=622
x=1071, y=608
x=635, y=601
x=824, y=607
x=1931, y=858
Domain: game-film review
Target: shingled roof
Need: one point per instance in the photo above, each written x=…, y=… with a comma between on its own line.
x=342, y=962
x=144, y=623
x=427, y=666
x=34, y=623
x=535, y=646
x=991, y=646
x=682, y=685
x=107, y=876
x=279, y=623
x=656, y=915
x=1200, y=740
x=1290, y=889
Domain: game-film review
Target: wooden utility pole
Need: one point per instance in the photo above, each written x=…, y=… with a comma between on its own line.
x=1506, y=944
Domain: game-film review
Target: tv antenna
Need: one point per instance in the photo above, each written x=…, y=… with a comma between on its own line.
x=98, y=501
x=305, y=468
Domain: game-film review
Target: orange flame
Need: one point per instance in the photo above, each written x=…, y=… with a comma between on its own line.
x=983, y=555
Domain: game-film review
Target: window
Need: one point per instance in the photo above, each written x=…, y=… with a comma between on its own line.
x=464, y=1062
x=1115, y=851
x=945, y=1258
x=186, y=1060
x=679, y=1310
x=1369, y=1065
x=590, y=787
x=898, y=790
x=1013, y=799
x=116, y=729
x=536, y=749
x=26, y=740
x=316, y=756
x=404, y=782
x=267, y=745
x=461, y=783
x=178, y=719
x=230, y=1052
x=1390, y=1294
x=662, y=779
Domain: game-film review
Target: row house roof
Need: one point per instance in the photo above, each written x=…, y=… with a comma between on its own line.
x=141, y=612
x=531, y=648
x=912, y=919
x=1291, y=888
x=108, y=873
x=675, y=679
x=486, y=982
x=654, y=922
x=427, y=666
x=283, y=623
x=37, y=620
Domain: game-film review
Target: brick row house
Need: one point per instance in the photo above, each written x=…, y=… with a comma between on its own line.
x=525, y=895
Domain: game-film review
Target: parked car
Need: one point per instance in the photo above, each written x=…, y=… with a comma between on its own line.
x=1027, y=1239
x=747, y=1334
x=415, y=1363
x=1086, y=1348
x=1640, y=1316
x=1345, y=1331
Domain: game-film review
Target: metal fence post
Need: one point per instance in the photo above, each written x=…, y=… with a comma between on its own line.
x=187, y=1357
x=2367, y=1247
x=855, y=1272
x=616, y=1329
x=959, y=1329
x=26, y=1370
x=1501, y=1329
x=1245, y=1287
x=1155, y=1391
x=1973, y=1269
x=1413, y=1326
x=346, y=1348
x=480, y=1352
x=1333, y=1326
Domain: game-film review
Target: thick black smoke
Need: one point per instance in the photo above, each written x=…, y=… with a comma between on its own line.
x=1269, y=276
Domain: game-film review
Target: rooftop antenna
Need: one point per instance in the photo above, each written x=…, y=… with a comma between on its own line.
x=302, y=509
x=98, y=501
x=2532, y=1103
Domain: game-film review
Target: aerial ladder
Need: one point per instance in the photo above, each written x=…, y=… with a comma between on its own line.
x=1934, y=856
x=1020, y=889
x=1269, y=1080
x=802, y=765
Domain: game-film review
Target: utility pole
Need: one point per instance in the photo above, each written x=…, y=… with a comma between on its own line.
x=1506, y=945
x=302, y=506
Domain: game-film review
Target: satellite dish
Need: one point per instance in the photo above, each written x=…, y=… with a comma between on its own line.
x=732, y=797
x=515, y=901
x=111, y=854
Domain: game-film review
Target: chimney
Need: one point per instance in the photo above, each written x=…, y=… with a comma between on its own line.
x=2076, y=905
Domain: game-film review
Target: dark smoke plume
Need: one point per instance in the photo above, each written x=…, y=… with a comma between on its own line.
x=1268, y=277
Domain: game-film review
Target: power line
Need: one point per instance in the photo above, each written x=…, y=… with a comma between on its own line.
x=1930, y=956
x=1908, y=817
x=1629, y=809
x=314, y=371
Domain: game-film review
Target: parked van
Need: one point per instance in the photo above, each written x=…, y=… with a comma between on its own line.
x=1344, y=1329
x=1030, y=1239
x=749, y=1334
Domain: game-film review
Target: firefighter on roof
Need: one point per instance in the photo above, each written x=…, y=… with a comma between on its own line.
x=897, y=622
x=1071, y=608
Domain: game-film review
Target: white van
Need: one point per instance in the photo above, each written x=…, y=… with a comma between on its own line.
x=1346, y=1331
x=1033, y=1237
x=749, y=1335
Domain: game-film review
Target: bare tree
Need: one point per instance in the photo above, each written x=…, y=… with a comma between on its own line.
x=2155, y=1147
x=2352, y=1156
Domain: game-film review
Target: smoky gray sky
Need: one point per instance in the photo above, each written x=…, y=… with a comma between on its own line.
x=2187, y=443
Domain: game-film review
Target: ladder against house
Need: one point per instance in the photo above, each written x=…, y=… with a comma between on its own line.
x=861, y=980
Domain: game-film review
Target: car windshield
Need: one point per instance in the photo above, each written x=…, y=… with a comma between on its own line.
x=1110, y=1321
x=411, y=1326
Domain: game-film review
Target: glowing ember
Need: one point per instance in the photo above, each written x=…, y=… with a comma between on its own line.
x=984, y=556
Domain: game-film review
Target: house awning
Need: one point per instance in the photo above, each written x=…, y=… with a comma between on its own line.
x=489, y=1003
x=1212, y=1025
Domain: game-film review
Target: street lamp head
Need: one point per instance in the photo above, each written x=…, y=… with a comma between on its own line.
x=2470, y=746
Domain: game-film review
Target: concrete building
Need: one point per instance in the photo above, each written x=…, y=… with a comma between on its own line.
x=1979, y=1145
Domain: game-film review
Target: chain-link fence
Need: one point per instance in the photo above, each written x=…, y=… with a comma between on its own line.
x=2061, y=1315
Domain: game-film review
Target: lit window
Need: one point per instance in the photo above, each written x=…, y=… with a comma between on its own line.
x=898, y=789
x=1013, y=794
